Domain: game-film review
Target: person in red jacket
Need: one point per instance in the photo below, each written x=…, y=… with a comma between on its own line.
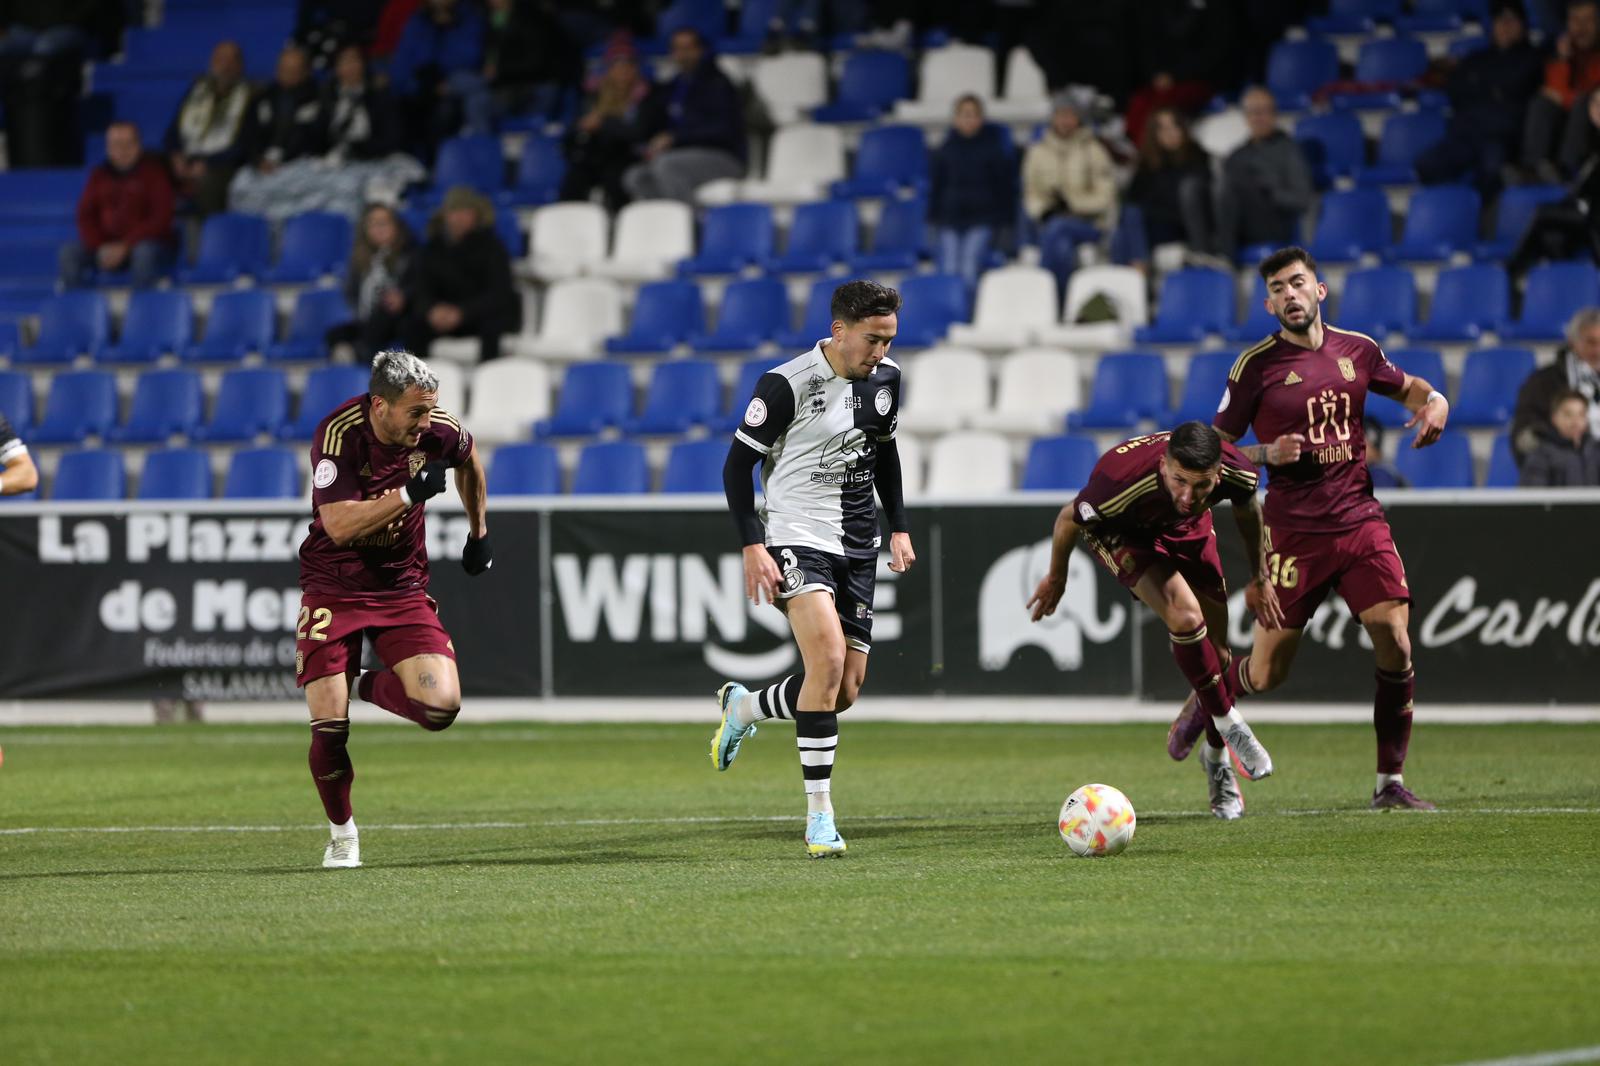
x=124, y=215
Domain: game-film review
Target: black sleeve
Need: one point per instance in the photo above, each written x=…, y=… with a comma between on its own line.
x=10, y=444
x=739, y=487
x=768, y=413
x=891, y=486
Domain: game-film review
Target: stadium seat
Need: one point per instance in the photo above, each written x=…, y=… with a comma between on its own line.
x=579, y=313
x=250, y=402
x=611, y=467
x=593, y=396
x=1513, y=211
x=695, y=466
x=1467, y=301
x=1378, y=301
x=1353, y=16
x=946, y=74
x=665, y=315
x=1025, y=96
x=1352, y=222
x=816, y=321
x=90, y=474
x=1385, y=64
x=568, y=239
x=744, y=388
x=326, y=388
x=952, y=385
x=16, y=401
x=314, y=245
x=1204, y=381
x=789, y=84
x=803, y=162
x=1440, y=221
x=473, y=160
x=316, y=311
x=1424, y=363
x=890, y=160
x=1444, y=464
x=158, y=322
x=1015, y=303
x=166, y=403
x=822, y=236
x=541, y=168
x=262, y=474
x=1121, y=289
x=752, y=311
x=1129, y=387
x=1502, y=472
x=508, y=397
x=75, y=323
x=524, y=470
x=931, y=303
x=756, y=19
x=1195, y=301
x=232, y=246
x=734, y=236
x=1551, y=295
x=452, y=385
x=1334, y=145
x=1443, y=16
x=239, y=323
x=683, y=393
x=899, y=239
x=651, y=237
x=81, y=404
x=1059, y=463
x=1037, y=387
x=1297, y=69
x=969, y=464
x=869, y=84
x=1490, y=380
x=176, y=474
x=1406, y=135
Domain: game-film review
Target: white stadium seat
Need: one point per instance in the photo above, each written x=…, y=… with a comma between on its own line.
x=1025, y=86
x=508, y=396
x=1014, y=304
x=453, y=385
x=790, y=85
x=945, y=386
x=1038, y=386
x=579, y=314
x=1123, y=286
x=970, y=464
x=913, y=466
x=945, y=74
x=651, y=237
x=568, y=239
x=802, y=161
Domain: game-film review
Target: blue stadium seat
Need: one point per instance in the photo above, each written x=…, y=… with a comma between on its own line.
x=77, y=322
x=1352, y=222
x=314, y=245
x=744, y=388
x=1444, y=464
x=733, y=237
x=1467, y=300
x=1424, y=363
x=1440, y=221
x=1512, y=213
x=752, y=312
x=1203, y=383
x=158, y=322
x=755, y=25
x=91, y=474
x=30, y=194
x=1502, y=472
x=1490, y=379
x=262, y=474
x=932, y=302
x=1128, y=387
x=815, y=323
x=10, y=335
x=706, y=17
x=232, y=246
x=82, y=403
x=593, y=397
x=821, y=236
x=683, y=393
x=899, y=239
x=511, y=234
x=1354, y=16
x=665, y=315
x=1334, y=145
x=524, y=470
x=695, y=466
x=869, y=85
x=250, y=402
x=1406, y=135
x=1297, y=69
x=1378, y=301
x=540, y=170
x=326, y=388
x=240, y=323
x=473, y=160
x=890, y=159
x=176, y=474
x=1258, y=321
x=1195, y=301
x=16, y=400
x=1059, y=463
x=1384, y=61
x=608, y=467
x=315, y=312
x=165, y=403
x=1551, y=295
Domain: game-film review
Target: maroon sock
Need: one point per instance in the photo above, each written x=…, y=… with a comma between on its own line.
x=385, y=689
x=1391, y=717
x=1236, y=676
x=1197, y=658
x=330, y=766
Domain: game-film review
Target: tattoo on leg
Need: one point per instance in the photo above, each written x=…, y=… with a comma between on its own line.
x=426, y=680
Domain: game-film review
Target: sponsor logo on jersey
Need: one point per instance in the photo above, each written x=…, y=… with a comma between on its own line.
x=1292, y=379
x=816, y=394
x=756, y=413
x=366, y=470
x=882, y=401
x=1347, y=367
x=325, y=474
x=416, y=461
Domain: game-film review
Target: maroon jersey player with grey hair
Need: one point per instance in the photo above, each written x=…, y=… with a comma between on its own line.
x=1304, y=389
x=375, y=461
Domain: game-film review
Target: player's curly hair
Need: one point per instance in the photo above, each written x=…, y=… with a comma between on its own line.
x=855, y=300
x=1195, y=446
x=394, y=370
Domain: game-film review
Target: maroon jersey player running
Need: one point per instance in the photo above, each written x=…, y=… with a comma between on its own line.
x=364, y=570
x=1146, y=512
x=1304, y=389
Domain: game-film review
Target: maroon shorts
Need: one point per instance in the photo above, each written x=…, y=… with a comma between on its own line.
x=328, y=632
x=1194, y=555
x=1362, y=563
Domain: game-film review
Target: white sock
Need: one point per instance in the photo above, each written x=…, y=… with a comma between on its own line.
x=747, y=709
x=1212, y=755
x=1384, y=780
x=820, y=799
x=348, y=829
x=1225, y=722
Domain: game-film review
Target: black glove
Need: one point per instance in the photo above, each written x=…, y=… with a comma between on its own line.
x=477, y=556
x=426, y=483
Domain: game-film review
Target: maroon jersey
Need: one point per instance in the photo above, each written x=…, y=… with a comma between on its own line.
x=1125, y=499
x=1280, y=388
x=348, y=462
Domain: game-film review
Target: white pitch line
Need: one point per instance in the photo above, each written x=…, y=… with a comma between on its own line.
x=1544, y=1058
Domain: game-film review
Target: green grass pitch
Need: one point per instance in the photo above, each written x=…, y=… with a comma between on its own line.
x=634, y=906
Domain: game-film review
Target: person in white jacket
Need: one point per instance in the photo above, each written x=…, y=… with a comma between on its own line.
x=1069, y=172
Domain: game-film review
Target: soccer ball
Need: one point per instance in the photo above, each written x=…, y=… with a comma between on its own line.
x=1096, y=821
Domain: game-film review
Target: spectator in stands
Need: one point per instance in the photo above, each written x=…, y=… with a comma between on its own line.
x=1171, y=187
x=124, y=215
x=282, y=123
x=1067, y=171
x=437, y=68
x=1553, y=130
x=1489, y=92
x=375, y=283
x=600, y=146
x=1185, y=54
x=529, y=61
x=1266, y=184
x=203, y=139
x=1569, y=227
x=1380, y=466
x=325, y=27
x=1568, y=454
x=357, y=115
x=1576, y=369
x=693, y=127
x=973, y=191
x=462, y=285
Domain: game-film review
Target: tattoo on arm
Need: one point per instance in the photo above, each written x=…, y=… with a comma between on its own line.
x=1256, y=453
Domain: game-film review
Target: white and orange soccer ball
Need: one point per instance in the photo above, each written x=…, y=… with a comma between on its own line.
x=1097, y=821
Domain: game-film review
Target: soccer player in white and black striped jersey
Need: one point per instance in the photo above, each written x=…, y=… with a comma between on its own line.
x=17, y=472
x=822, y=427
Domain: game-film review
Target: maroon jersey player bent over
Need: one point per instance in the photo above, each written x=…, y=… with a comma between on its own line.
x=1146, y=512
x=375, y=461
x=1304, y=389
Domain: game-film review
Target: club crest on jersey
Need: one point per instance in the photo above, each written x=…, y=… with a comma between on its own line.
x=1347, y=367
x=882, y=401
x=816, y=394
x=416, y=461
